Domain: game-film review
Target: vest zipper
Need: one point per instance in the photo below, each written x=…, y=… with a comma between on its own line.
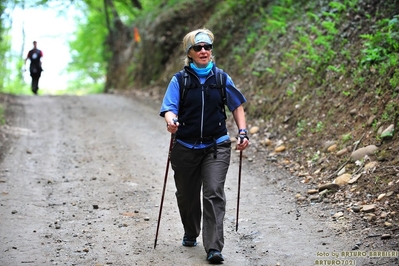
x=203, y=87
x=202, y=111
x=203, y=102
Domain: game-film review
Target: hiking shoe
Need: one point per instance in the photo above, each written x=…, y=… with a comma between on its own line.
x=214, y=256
x=189, y=241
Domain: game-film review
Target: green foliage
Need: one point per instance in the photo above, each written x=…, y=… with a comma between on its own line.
x=279, y=14
x=313, y=17
x=338, y=6
x=319, y=127
x=89, y=61
x=290, y=92
x=391, y=112
x=383, y=44
x=346, y=137
x=380, y=53
x=394, y=81
x=300, y=127
x=11, y=79
x=315, y=157
x=346, y=93
x=276, y=19
x=339, y=69
x=255, y=73
x=5, y=46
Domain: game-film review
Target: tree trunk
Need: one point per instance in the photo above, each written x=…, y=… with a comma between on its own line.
x=119, y=43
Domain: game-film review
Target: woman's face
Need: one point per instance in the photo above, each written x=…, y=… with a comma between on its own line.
x=201, y=54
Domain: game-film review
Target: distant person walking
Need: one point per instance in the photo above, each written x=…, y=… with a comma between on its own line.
x=35, y=68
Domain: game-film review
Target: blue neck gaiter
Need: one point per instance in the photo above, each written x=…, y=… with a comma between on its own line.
x=202, y=72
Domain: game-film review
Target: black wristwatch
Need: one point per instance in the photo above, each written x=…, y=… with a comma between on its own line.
x=243, y=131
x=242, y=134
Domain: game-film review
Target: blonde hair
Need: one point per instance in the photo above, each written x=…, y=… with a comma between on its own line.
x=189, y=40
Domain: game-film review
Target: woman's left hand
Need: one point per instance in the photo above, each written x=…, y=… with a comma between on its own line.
x=242, y=142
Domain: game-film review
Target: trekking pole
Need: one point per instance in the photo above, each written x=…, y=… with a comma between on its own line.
x=163, y=190
x=164, y=185
x=238, y=193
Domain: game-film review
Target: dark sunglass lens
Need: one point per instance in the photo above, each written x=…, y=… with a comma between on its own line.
x=198, y=48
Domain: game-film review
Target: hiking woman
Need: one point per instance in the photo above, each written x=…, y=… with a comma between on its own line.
x=200, y=155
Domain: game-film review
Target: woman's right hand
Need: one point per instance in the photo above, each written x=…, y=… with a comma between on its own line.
x=172, y=126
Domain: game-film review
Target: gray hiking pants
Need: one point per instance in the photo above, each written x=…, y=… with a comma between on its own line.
x=193, y=169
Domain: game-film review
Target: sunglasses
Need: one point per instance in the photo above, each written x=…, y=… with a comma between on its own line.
x=198, y=48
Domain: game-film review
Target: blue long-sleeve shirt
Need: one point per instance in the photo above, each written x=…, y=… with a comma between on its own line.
x=171, y=100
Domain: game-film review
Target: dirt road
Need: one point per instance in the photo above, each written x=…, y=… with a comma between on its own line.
x=82, y=182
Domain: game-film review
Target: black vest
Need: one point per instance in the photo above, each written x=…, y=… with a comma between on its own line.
x=201, y=112
x=34, y=56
